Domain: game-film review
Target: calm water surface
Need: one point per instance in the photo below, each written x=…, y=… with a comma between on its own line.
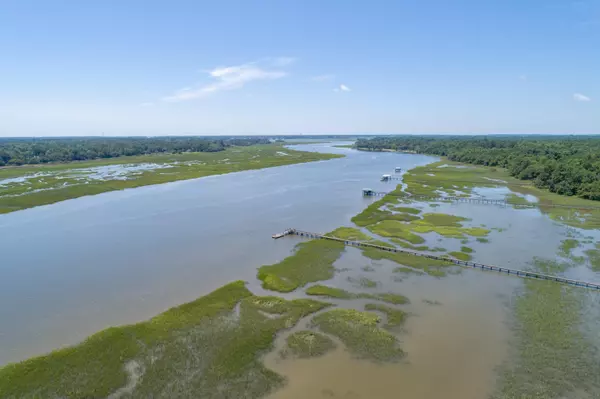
x=70, y=269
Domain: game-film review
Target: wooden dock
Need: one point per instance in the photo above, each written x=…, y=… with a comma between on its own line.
x=475, y=265
x=390, y=178
x=282, y=234
x=477, y=200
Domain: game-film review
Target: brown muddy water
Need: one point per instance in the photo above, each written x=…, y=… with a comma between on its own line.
x=455, y=338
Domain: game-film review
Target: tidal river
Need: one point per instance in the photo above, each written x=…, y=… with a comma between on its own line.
x=73, y=268
x=70, y=269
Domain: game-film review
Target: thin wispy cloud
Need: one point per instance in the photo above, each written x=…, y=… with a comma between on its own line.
x=342, y=87
x=523, y=78
x=282, y=61
x=146, y=104
x=322, y=78
x=581, y=97
x=234, y=78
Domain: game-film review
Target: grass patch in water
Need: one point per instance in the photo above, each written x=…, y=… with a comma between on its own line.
x=467, y=250
x=569, y=214
x=368, y=268
x=453, y=178
x=405, y=209
x=402, y=217
x=164, y=350
x=305, y=344
x=372, y=214
x=449, y=231
x=555, y=361
x=389, y=297
x=594, y=258
x=360, y=333
x=338, y=293
x=432, y=267
x=515, y=199
x=331, y=292
x=567, y=246
x=395, y=317
x=362, y=282
x=461, y=255
x=381, y=243
x=408, y=270
x=443, y=219
x=483, y=240
x=466, y=177
x=393, y=228
x=350, y=233
x=312, y=261
x=406, y=245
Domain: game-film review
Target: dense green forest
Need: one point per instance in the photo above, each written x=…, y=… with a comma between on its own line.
x=17, y=151
x=567, y=165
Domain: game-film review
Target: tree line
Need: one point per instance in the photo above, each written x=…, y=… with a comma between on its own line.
x=567, y=165
x=18, y=151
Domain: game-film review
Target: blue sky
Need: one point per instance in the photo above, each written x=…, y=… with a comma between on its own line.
x=125, y=67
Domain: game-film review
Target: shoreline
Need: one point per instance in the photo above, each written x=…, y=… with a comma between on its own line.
x=201, y=164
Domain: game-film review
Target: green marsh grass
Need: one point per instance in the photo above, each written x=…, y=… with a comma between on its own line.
x=362, y=282
x=338, y=293
x=454, y=179
x=567, y=246
x=164, y=350
x=393, y=228
x=350, y=233
x=407, y=270
x=432, y=267
x=360, y=333
x=395, y=317
x=461, y=255
x=372, y=213
x=204, y=164
x=305, y=344
x=312, y=261
x=554, y=360
x=466, y=177
x=404, y=209
x=389, y=297
x=514, y=199
x=406, y=245
x=331, y=292
x=594, y=257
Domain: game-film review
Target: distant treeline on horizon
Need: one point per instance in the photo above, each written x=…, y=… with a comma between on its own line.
x=25, y=151
x=567, y=165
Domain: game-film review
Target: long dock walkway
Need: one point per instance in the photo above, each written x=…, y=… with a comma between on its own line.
x=477, y=200
x=516, y=272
